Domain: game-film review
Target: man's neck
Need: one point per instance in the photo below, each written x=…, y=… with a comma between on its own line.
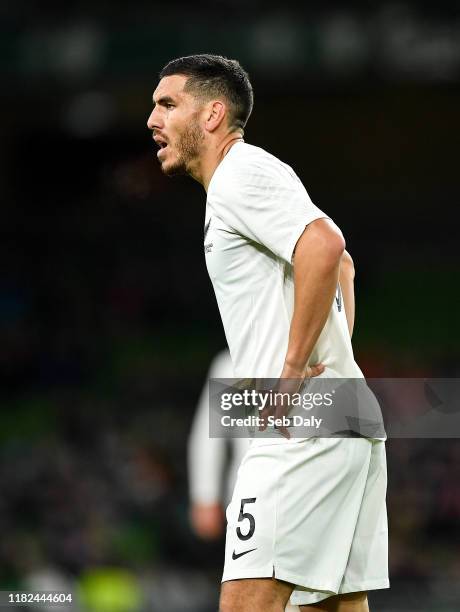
x=212, y=158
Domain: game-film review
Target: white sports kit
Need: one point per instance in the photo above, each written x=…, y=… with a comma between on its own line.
x=308, y=511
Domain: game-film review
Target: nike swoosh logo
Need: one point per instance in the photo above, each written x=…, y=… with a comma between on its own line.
x=245, y=552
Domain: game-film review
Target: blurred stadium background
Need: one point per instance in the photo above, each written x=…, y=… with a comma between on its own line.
x=107, y=318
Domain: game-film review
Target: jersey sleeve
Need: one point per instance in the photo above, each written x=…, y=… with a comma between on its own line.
x=268, y=204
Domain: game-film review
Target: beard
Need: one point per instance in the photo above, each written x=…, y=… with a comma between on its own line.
x=188, y=147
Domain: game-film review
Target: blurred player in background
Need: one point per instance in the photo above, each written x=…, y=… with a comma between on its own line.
x=307, y=520
x=211, y=481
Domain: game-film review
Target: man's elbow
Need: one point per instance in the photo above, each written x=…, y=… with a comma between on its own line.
x=323, y=242
x=347, y=267
x=330, y=243
x=335, y=248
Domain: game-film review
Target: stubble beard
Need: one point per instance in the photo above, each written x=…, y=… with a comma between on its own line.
x=188, y=148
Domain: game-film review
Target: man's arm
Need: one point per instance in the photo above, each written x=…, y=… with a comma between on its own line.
x=316, y=271
x=206, y=460
x=346, y=280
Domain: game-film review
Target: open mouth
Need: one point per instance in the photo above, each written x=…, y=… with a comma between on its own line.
x=161, y=142
x=162, y=145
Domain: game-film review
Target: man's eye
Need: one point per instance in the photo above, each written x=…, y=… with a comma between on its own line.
x=169, y=105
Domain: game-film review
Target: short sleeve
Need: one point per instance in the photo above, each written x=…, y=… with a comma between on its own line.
x=265, y=201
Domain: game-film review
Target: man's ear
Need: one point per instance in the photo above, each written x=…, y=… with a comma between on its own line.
x=215, y=114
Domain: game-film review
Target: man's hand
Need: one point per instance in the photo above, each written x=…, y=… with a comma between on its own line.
x=207, y=520
x=308, y=372
x=290, y=382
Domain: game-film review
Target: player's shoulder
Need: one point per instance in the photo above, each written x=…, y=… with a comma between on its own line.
x=246, y=157
x=250, y=169
x=244, y=150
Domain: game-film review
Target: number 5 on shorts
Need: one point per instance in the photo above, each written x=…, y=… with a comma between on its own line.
x=246, y=515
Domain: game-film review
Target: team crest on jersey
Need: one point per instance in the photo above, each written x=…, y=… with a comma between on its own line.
x=207, y=247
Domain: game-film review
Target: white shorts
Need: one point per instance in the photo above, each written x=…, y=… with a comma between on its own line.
x=311, y=513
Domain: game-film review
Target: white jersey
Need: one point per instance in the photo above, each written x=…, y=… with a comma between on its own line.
x=256, y=210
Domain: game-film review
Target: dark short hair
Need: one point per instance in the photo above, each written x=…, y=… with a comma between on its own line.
x=214, y=75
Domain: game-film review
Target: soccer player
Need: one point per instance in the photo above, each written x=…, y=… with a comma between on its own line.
x=307, y=520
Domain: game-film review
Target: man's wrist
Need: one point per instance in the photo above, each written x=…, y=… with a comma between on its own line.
x=293, y=370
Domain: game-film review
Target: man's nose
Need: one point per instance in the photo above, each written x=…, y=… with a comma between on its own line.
x=154, y=120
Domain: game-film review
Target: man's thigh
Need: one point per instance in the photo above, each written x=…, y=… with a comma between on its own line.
x=255, y=595
x=349, y=602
